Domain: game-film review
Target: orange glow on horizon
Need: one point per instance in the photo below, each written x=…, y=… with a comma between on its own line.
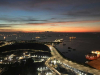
x=81, y=26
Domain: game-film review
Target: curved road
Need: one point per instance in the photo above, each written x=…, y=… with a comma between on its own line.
x=83, y=68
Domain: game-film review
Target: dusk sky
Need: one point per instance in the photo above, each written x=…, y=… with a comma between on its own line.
x=50, y=15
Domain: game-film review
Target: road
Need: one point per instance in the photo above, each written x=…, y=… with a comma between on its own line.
x=83, y=68
x=6, y=43
x=3, y=44
x=52, y=58
x=50, y=67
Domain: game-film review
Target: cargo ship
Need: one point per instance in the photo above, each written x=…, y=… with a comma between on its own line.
x=58, y=40
x=93, y=55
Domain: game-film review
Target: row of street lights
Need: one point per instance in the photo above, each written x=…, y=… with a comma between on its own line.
x=76, y=70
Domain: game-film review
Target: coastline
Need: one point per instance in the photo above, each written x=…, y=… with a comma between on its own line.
x=73, y=60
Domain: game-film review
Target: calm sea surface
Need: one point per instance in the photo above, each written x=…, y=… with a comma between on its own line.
x=84, y=43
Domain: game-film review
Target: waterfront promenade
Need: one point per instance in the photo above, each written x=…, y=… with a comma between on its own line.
x=65, y=62
x=74, y=65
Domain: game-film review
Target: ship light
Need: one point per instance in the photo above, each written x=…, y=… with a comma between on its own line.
x=4, y=37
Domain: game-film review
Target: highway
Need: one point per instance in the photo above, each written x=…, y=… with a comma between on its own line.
x=3, y=44
x=52, y=58
x=79, y=67
x=6, y=43
x=50, y=67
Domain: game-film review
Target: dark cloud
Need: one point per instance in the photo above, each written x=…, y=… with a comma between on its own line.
x=21, y=19
x=8, y=25
x=90, y=11
x=48, y=8
x=76, y=8
x=4, y=2
x=31, y=24
x=83, y=13
x=53, y=18
x=41, y=24
x=24, y=20
x=35, y=23
x=31, y=4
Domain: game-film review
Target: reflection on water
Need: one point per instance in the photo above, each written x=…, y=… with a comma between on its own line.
x=83, y=43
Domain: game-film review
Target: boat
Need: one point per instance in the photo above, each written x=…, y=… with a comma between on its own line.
x=74, y=49
x=61, y=39
x=37, y=37
x=4, y=37
x=58, y=40
x=64, y=44
x=72, y=37
x=93, y=55
x=69, y=48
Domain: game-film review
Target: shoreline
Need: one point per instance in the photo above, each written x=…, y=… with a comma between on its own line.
x=73, y=60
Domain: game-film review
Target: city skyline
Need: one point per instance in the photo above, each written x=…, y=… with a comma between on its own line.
x=49, y=15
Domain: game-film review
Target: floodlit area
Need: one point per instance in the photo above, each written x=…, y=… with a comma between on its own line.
x=77, y=69
x=43, y=62
x=24, y=57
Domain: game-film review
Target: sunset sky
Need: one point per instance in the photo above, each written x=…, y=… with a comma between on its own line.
x=50, y=15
